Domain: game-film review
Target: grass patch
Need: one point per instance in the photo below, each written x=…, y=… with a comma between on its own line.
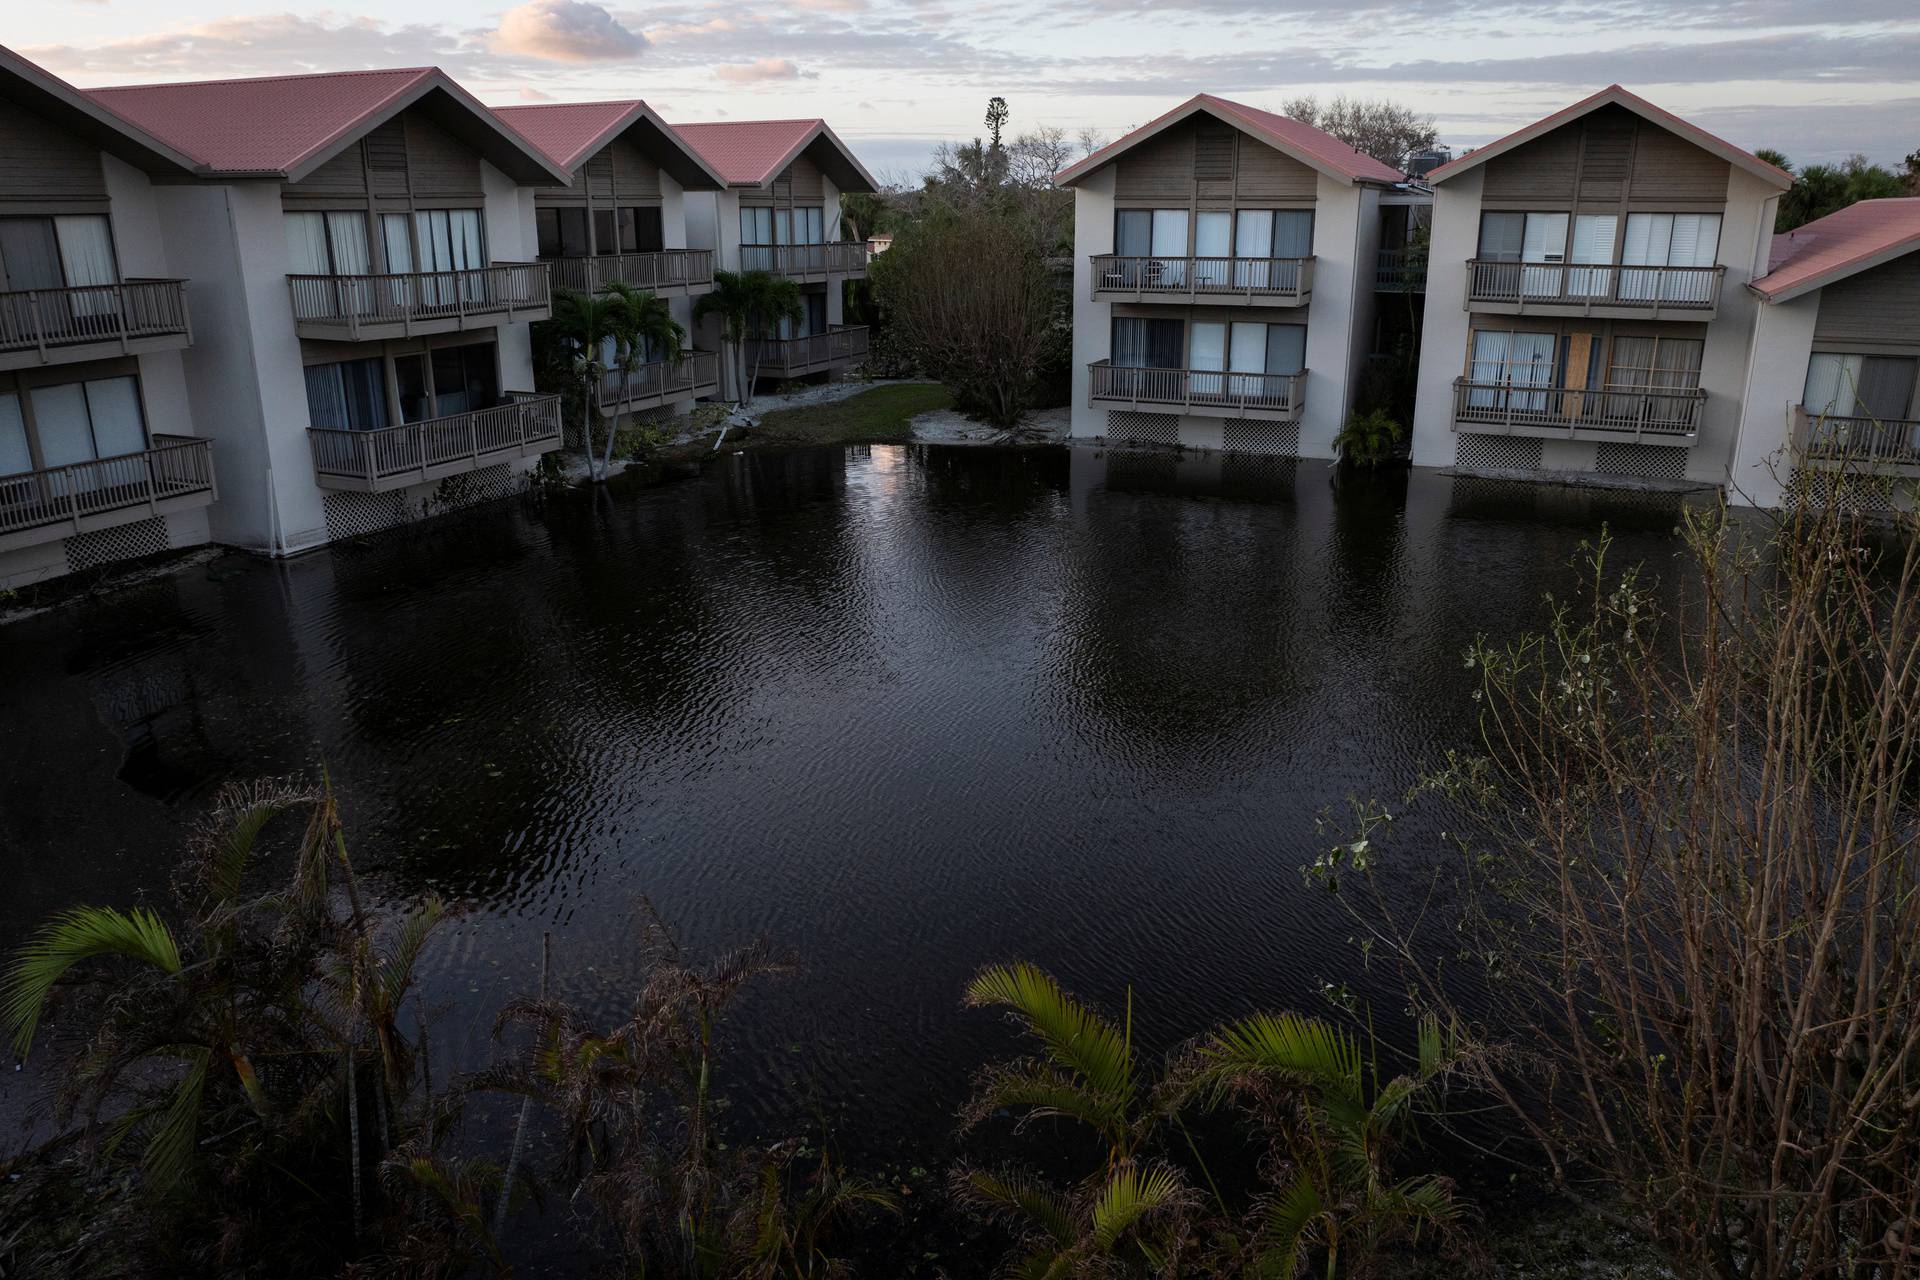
x=878, y=414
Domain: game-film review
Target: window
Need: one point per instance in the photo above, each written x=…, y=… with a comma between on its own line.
x=464, y=379
x=1262, y=235
x=350, y=395
x=1860, y=386
x=1147, y=344
x=813, y=318
x=756, y=226
x=1655, y=362
x=630, y=229
x=16, y=456
x=1669, y=240
x=561, y=233
x=1245, y=348
x=1592, y=255
x=81, y=421
x=1536, y=238
x=809, y=224
x=448, y=240
x=69, y=251
x=1503, y=360
x=328, y=244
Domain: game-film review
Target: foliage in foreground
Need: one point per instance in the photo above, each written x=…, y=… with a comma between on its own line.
x=1692, y=890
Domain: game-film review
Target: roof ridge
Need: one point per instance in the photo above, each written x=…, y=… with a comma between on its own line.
x=556, y=106
x=708, y=124
x=303, y=75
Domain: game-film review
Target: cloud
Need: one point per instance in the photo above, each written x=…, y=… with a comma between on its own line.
x=758, y=70
x=530, y=94
x=566, y=31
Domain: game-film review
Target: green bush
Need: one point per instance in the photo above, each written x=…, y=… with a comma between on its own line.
x=1369, y=439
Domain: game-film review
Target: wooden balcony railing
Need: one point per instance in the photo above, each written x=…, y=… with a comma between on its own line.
x=1690, y=291
x=56, y=501
x=1653, y=413
x=46, y=320
x=806, y=261
x=672, y=270
x=695, y=373
x=385, y=305
x=1403, y=269
x=1180, y=279
x=1210, y=390
x=418, y=451
x=1856, y=440
x=789, y=357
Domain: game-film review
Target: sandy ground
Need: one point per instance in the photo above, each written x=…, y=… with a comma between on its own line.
x=945, y=426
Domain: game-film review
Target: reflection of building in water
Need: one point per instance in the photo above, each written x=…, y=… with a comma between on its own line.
x=154, y=708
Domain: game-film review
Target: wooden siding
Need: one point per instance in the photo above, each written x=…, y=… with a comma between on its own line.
x=1876, y=310
x=1204, y=163
x=635, y=176
x=439, y=166
x=1607, y=158
x=43, y=164
x=386, y=151
x=343, y=177
x=1669, y=170
x=809, y=184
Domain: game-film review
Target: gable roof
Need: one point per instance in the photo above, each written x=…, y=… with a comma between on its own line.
x=288, y=126
x=1614, y=95
x=751, y=153
x=51, y=98
x=1843, y=243
x=1313, y=147
x=573, y=132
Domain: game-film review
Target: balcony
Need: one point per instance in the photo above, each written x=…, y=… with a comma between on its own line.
x=1245, y=282
x=92, y=322
x=417, y=452
x=1566, y=289
x=1886, y=445
x=359, y=308
x=815, y=353
x=807, y=263
x=1642, y=415
x=651, y=386
x=176, y=474
x=1207, y=393
x=1400, y=271
x=666, y=273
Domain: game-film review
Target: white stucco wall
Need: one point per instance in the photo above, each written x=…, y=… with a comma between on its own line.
x=1746, y=229
x=1445, y=323
x=1339, y=230
x=1092, y=319
x=1776, y=378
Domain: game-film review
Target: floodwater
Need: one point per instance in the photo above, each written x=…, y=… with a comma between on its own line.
x=905, y=710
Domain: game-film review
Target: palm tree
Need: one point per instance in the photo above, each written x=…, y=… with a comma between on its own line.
x=1304, y=1078
x=748, y=302
x=645, y=333
x=199, y=1011
x=590, y=327
x=1128, y=1218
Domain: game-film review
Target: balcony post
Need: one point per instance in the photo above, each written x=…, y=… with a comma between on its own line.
x=39, y=325
x=120, y=314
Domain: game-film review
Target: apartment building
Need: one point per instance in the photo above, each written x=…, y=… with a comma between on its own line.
x=364, y=246
x=1831, y=381
x=622, y=218
x=779, y=212
x=1225, y=281
x=99, y=455
x=1588, y=308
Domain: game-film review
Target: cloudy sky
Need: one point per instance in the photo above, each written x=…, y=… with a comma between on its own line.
x=1817, y=80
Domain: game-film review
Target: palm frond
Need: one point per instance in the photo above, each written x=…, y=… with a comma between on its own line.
x=78, y=935
x=240, y=814
x=1130, y=1196
x=1285, y=1229
x=1074, y=1035
x=395, y=973
x=171, y=1149
x=1041, y=1089
x=1020, y=1198
x=1287, y=1047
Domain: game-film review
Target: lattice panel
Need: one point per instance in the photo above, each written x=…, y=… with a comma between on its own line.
x=352, y=515
x=1656, y=462
x=1257, y=435
x=1498, y=453
x=1125, y=426
x=122, y=542
x=1854, y=492
x=489, y=484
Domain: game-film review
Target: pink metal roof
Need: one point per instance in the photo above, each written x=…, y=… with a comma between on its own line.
x=748, y=153
x=1831, y=248
x=266, y=125
x=1312, y=146
x=286, y=126
x=1615, y=95
x=569, y=132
